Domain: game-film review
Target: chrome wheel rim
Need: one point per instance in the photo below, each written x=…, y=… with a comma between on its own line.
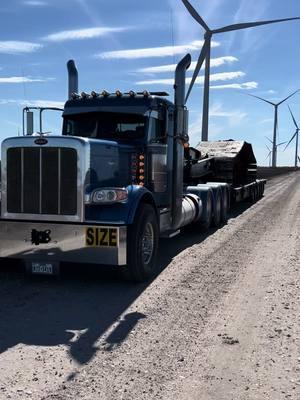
x=148, y=243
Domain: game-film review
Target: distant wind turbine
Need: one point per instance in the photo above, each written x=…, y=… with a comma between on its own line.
x=205, y=55
x=271, y=151
x=275, y=105
x=295, y=135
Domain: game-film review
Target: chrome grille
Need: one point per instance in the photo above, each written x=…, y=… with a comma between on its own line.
x=42, y=180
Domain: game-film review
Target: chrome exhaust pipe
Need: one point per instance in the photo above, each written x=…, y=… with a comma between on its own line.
x=72, y=78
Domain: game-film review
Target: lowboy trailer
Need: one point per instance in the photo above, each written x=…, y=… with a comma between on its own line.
x=120, y=176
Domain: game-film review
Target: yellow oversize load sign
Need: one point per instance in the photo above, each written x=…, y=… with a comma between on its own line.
x=101, y=237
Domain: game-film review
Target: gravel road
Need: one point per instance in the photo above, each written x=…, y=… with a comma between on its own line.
x=220, y=322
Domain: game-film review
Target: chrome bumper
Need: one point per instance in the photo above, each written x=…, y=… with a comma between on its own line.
x=66, y=243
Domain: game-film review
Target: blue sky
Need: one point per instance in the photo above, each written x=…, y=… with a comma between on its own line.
x=131, y=44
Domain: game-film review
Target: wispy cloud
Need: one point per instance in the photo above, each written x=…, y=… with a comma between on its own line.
x=21, y=79
x=33, y=103
x=266, y=121
x=163, y=51
x=234, y=117
x=86, y=33
x=216, y=129
x=214, y=62
x=229, y=119
x=222, y=76
x=35, y=3
x=42, y=103
x=242, y=86
x=250, y=38
x=17, y=47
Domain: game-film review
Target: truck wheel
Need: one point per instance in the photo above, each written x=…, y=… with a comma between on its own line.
x=142, y=245
x=217, y=209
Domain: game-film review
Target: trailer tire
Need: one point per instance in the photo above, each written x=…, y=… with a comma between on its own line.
x=217, y=209
x=206, y=219
x=225, y=206
x=142, y=245
x=253, y=195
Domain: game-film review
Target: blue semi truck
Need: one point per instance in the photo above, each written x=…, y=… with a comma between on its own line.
x=120, y=176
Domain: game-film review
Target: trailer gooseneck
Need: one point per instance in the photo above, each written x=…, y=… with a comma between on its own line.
x=120, y=176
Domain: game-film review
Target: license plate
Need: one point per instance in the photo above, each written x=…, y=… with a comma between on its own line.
x=101, y=237
x=42, y=268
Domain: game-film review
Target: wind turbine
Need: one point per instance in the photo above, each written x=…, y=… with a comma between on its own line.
x=275, y=105
x=205, y=55
x=295, y=135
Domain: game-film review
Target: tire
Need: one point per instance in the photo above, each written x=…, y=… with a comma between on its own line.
x=253, y=195
x=217, y=209
x=225, y=206
x=206, y=219
x=142, y=245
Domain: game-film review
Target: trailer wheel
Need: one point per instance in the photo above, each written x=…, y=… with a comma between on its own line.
x=253, y=195
x=206, y=219
x=217, y=209
x=142, y=245
x=225, y=206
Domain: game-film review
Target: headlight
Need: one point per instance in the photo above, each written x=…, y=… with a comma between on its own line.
x=108, y=196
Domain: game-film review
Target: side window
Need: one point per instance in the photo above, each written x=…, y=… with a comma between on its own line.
x=157, y=131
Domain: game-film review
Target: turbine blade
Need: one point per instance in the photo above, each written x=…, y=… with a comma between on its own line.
x=268, y=148
x=291, y=139
x=201, y=59
x=299, y=159
x=236, y=27
x=260, y=98
x=293, y=117
x=288, y=97
x=194, y=14
x=271, y=141
x=280, y=144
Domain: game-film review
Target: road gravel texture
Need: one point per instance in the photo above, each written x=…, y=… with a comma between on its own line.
x=220, y=322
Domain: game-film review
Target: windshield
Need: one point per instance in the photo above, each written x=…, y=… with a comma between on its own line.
x=105, y=125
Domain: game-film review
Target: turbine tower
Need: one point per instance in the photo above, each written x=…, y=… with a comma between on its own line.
x=275, y=129
x=269, y=155
x=205, y=55
x=295, y=135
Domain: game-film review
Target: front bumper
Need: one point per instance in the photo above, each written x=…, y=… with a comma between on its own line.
x=62, y=242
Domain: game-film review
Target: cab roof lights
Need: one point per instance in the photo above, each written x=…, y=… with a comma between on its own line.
x=118, y=93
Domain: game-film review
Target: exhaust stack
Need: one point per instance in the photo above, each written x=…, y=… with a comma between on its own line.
x=180, y=137
x=72, y=78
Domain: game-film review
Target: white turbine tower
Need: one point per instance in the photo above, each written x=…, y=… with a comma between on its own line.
x=205, y=55
x=295, y=135
x=275, y=129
